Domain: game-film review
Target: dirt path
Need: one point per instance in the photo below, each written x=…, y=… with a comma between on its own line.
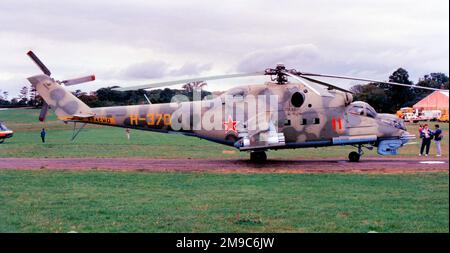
x=328, y=165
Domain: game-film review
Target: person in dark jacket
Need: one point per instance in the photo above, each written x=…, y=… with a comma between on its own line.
x=43, y=133
x=437, y=139
x=427, y=135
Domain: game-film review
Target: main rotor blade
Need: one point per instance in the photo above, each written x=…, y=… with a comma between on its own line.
x=368, y=80
x=170, y=83
x=78, y=80
x=43, y=113
x=326, y=84
x=39, y=63
x=303, y=82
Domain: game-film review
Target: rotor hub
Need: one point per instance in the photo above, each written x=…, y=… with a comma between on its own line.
x=280, y=73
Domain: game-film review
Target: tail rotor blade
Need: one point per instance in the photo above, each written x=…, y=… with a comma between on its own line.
x=78, y=80
x=43, y=113
x=39, y=63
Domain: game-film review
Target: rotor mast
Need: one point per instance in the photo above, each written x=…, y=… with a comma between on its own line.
x=278, y=72
x=281, y=73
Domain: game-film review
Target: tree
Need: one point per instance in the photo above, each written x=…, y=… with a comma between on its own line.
x=23, y=95
x=4, y=98
x=432, y=80
x=33, y=97
x=189, y=87
x=372, y=94
x=399, y=96
x=387, y=98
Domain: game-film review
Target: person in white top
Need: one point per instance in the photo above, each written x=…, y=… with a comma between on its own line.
x=426, y=134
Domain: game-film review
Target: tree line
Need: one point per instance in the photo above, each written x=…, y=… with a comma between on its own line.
x=107, y=96
x=389, y=98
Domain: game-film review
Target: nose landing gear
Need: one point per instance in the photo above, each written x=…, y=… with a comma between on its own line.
x=355, y=156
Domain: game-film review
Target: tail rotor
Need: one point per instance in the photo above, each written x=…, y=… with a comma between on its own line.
x=46, y=71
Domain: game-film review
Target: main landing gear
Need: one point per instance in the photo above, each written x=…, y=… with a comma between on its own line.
x=355, y=156
x=258, y=156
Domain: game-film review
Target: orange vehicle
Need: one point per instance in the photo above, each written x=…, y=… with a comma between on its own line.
x=443, y=118
x=4, y=132
x=401, y=113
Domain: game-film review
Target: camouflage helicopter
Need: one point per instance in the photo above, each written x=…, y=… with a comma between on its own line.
x=278, y=114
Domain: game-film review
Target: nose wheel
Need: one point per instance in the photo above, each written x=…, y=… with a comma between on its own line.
x=258, y=156
x=355, y=156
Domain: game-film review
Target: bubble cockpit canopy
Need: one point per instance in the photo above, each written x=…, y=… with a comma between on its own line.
x=3, y=127
x=362, y=108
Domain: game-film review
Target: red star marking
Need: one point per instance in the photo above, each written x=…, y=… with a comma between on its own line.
x=230, y=125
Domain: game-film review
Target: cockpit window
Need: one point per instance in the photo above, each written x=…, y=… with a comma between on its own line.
x=362, y=109
x=3, y=127
x=357, y=110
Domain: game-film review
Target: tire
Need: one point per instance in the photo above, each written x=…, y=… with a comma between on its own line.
x=258, y=156
x=2, y=140
x=354, y=157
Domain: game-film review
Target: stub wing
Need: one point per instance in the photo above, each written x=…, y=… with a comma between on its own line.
x=265, y=136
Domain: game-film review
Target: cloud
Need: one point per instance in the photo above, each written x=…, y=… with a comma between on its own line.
x=295, y=56
x=145, y=70
x=191, y=68
x=155, y=69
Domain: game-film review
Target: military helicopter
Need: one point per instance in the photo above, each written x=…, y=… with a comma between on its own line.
x=292, y=110
x=5, y=133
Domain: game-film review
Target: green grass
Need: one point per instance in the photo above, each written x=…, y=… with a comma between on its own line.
x=57, y=201
x=97, y=141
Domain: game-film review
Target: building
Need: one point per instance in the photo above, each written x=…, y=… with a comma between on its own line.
x=437, y=100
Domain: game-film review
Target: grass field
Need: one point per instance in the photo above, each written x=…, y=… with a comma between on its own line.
x=97, y=141
x=44, y=201
x=99, y=201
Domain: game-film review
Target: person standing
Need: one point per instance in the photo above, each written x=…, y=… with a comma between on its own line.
x=127, y=131
x=43, y=133
x=426, y=134
x=437, y=139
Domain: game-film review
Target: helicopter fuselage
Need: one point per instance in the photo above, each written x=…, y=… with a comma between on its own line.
x=294, y=117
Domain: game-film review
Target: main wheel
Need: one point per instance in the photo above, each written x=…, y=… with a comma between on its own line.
x=258, y=156
x=354, y=156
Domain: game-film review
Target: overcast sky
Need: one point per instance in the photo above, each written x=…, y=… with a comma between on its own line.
x=134, y=42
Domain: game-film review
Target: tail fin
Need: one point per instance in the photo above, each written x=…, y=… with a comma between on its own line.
x=64, y=103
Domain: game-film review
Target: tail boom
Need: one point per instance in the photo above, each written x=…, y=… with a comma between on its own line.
x=63, y=102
